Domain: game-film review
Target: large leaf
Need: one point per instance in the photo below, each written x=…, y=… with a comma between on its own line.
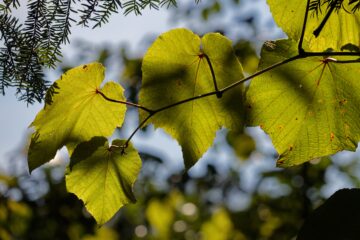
x=102, y=176
x=309, y=107
x=174, y=69
x=340, y=31
x=74, y=112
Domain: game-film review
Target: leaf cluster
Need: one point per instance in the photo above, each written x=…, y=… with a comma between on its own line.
x=303, y=95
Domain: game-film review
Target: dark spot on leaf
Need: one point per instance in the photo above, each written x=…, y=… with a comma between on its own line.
x=343, y=101
x=85, y=67
x=270, y=45
x=291, y=147
x=296, y=119
x=332, y=136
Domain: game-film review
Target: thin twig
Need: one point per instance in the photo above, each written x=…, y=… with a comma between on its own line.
x=135, y=131
x=185, y=101
x=218, y=94
x=124, y=102
x=300, y=47
x=326, y=54
x=261, y=72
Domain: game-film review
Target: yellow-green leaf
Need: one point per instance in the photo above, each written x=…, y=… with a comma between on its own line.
x=341, y=31
x=309, y=107
x=174, y=69
x=103, y=177
x=74, y=111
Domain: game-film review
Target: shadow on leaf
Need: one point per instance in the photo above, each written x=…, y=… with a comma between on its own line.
x=85, y=149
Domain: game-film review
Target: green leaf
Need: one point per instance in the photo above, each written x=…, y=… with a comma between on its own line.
x=174, y=69
x=74, y=112
x=309, y=107
x=242, y=143
x=103, y=177
x=219, y=226
x=341, y=29
x=160, y=215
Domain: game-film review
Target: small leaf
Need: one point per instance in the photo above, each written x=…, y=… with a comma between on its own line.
x=242, y=143
x=342, y=27
x=103, y=177
x=74, y=112
x=174, y=69
x=308, y=107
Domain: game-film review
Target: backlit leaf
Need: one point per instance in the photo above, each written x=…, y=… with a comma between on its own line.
x=102, y=177
x=309, y=107
x=174, y=69
x=75, y=112
x=340, y=32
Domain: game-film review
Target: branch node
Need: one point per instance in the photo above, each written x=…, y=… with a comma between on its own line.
x=302, y=52
x=123, y=149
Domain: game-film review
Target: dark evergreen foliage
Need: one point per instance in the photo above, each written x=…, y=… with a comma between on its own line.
x=26, y=49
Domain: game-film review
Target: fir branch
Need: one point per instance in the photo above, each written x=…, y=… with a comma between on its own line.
x=106, y=9
x=132, y=6
x=57, y=32
x=9, y=34
x=170, y=3
x=151, y=4
x=30, y=67
x=9, y=4
x=88, y=12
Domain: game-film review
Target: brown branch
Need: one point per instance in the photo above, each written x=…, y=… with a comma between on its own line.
x=124, y=102
x=218, y=94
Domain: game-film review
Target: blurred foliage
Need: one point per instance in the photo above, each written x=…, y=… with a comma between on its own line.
x=242, y=143
x=246, y=54
x=181, y=207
